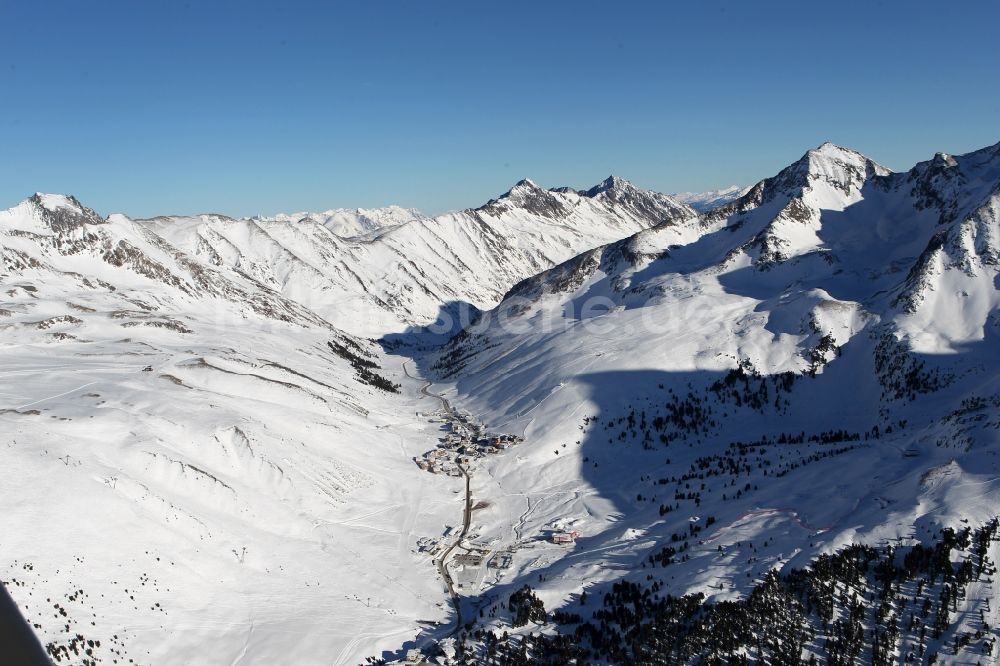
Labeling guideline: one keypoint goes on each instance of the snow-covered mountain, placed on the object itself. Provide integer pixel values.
(814, 365)
(208, 461)
(706, 201)
(213, 461)
(189, 458)
(399, 274)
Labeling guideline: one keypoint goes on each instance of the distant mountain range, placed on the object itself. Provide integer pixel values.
(705, 201)
(396, 268)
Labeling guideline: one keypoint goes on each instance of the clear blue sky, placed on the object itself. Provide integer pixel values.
(150, 107)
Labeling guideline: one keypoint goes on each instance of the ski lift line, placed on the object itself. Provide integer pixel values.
(348, 521)
(122, 367)
(67, 368)
(53, 397)
(976, 483)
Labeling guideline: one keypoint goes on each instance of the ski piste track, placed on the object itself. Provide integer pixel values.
(441, 561)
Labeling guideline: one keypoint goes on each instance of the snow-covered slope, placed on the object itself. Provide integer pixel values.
(814, 365)
(196, 469)
(353, 222)
(402, 274)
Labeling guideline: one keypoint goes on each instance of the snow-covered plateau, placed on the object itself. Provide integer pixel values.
(762, 433)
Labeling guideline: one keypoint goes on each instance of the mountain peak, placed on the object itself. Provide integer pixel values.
(944, 160)
(63, 212)
(524, 188)
(54, 202)
(526, 195)
(525, 184)
(830, 146)
(615, 182)
(843, 168)
(611, 183)
(830, 150)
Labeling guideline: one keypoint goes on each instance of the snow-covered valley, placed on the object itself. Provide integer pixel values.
(232, 441)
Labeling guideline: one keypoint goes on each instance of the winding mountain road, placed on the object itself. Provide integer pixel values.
(441, 561)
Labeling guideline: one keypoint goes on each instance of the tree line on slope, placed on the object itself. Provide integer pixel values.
(862, 604)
